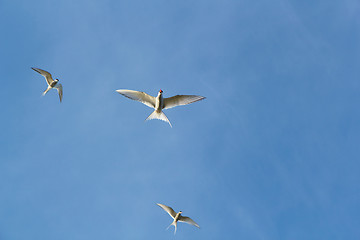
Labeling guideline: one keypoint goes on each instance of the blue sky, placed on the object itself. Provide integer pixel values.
(272, 153)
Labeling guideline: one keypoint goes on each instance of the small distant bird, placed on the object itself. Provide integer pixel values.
(177, 217)
(159, 103)
(50, 81)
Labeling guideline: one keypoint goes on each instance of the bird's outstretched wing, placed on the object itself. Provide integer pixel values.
(60, 90)
(169, 210)
(46, 74)
(138, 96)
(188, 220)
(181, 100)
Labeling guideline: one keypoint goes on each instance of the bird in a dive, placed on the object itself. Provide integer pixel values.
(51, 82)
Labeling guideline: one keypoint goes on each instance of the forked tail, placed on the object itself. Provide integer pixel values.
(175, 225)
(46, 90)
(158, 115)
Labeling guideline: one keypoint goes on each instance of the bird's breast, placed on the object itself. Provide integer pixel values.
(159, 103)
(177, 216)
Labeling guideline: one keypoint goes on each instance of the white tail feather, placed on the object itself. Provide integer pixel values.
(175, 225)
(158, 115)
(46, 90)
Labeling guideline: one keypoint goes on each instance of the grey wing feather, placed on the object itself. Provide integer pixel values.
(169, 210)
(46, 74)
(188, 220)
(181, 100)
(60, 90)
(138, 96)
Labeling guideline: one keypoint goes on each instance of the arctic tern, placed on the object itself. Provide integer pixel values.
(51, 82)
(177, 217)
(159, 103)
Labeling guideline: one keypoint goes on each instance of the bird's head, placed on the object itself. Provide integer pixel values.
(161, 91)
(180, 212)
(56, 80)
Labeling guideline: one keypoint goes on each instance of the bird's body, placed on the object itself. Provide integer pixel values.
(159, 103)
(51, 82)
(177, 217)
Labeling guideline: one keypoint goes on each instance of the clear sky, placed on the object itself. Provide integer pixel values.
(271, 153)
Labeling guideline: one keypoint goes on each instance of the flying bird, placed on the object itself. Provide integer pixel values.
(51, 82)
(177, 217)
(159, 103)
